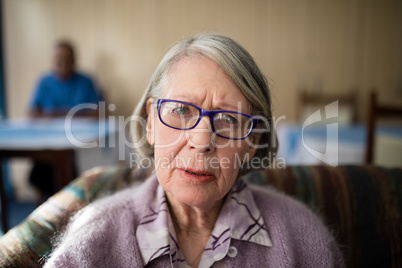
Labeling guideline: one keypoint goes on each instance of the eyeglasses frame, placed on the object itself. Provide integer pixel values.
(210, 114)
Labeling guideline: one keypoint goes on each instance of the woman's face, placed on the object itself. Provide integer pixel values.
(194, 166)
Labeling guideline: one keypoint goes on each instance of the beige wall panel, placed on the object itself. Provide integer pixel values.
(302, 46)
(26, 53)
(383, 42)
(328, 46)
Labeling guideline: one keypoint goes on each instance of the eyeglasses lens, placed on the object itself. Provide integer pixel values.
(178, 115)
(230, 125)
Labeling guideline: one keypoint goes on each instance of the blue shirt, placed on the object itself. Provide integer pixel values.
(52, 94)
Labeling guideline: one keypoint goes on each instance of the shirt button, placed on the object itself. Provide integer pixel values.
(232, 252)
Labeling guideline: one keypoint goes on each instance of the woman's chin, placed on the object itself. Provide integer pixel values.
(193, 197)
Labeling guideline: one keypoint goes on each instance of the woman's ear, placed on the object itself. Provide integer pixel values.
(150, 122)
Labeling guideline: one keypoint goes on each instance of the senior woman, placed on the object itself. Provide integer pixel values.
(207, 110)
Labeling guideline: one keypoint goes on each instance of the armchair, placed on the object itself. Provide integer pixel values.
(361, 205)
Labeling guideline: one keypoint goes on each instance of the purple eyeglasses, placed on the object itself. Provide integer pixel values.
(226, 124)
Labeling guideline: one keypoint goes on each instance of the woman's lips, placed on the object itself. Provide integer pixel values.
(196, 176)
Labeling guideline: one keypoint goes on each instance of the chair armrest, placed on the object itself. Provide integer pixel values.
(25, 244)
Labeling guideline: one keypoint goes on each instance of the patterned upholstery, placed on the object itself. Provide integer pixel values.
(25, 244)
(362, 205)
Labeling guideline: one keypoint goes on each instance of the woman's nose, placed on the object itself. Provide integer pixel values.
(201, 137)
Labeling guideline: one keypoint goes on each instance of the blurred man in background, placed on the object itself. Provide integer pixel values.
(55, 94)
(63, 88)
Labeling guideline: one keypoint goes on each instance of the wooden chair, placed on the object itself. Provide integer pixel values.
(376, 111)
(318, 100)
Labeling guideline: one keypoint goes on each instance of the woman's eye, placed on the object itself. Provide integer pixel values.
(230, 120)
(183, 110)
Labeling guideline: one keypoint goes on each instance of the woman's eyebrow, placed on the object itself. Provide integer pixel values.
(221, 105)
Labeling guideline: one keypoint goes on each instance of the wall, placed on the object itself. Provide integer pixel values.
(330, 46)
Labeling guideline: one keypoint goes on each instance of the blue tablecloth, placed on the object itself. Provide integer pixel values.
(35, 134)
(350, 143)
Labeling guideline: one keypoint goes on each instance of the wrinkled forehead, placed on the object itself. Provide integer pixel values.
(201, 81)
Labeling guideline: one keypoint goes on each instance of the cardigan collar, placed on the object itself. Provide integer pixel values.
(238, 219)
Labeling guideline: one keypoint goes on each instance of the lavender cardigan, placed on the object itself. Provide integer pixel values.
(103, 234)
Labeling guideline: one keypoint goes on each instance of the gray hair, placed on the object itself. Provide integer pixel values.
(238, 65)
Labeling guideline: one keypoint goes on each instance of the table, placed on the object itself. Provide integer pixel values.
(346, 144)
(53, 141)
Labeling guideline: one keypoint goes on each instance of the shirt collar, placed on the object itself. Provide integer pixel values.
(153, 231)
(238, 219)
(247, 223)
